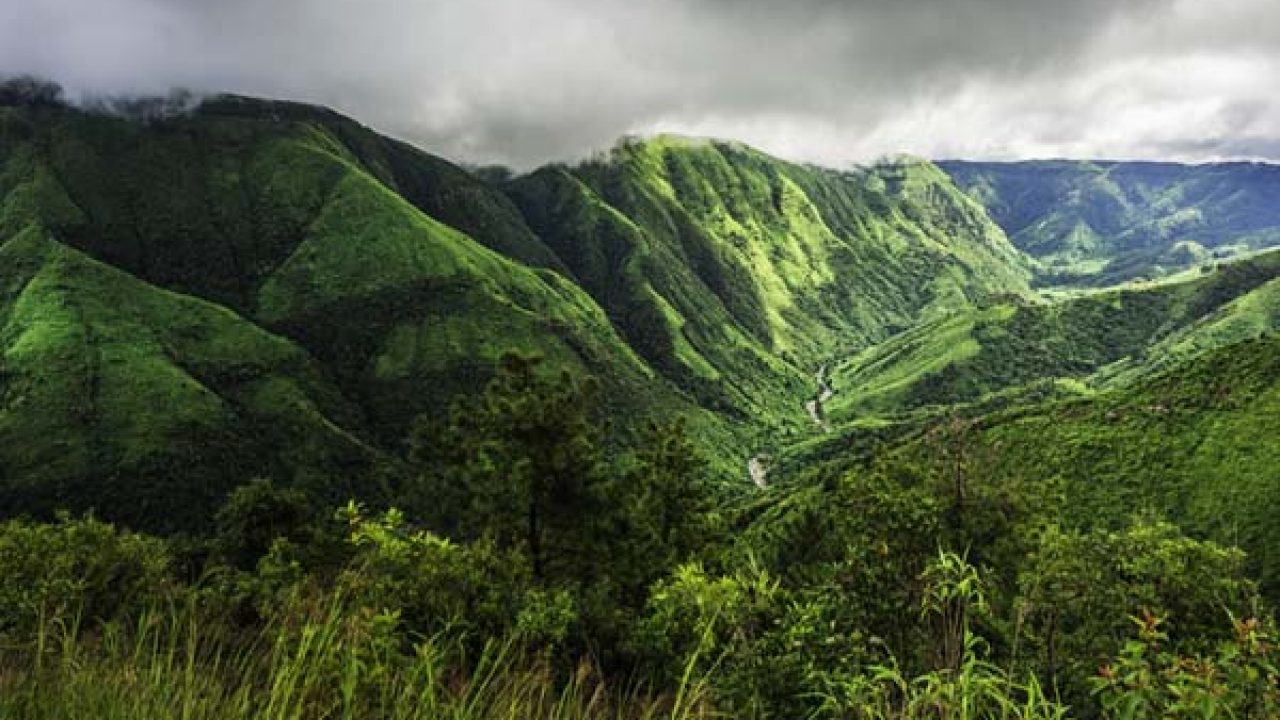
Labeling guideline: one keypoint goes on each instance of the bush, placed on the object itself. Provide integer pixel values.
(474, 589)
(83, 570)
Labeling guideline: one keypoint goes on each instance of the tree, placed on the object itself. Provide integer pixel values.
(1078, 591)
(258, 513)
(27, 91)
(673, 495)
(523, 464)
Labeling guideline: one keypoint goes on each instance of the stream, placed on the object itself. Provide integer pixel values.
(758, 465)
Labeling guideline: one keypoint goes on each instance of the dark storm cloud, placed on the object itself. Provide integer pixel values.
(524, 81)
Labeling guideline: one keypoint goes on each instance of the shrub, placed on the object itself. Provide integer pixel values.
(80, 570)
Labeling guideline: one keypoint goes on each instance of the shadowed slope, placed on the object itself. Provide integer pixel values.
(149, 405)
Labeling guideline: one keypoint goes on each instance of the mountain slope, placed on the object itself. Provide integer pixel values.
(270, 222)
(1100, 223)
(1195, 444)
(290, 215)
(737, 274)
(149, 405)
(1125, 333)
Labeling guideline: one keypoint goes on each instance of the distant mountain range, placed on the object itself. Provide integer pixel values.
(1098, 223)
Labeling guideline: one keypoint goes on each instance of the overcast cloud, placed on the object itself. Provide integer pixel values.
(526, 81)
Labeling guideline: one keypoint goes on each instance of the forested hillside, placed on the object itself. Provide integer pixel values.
(1097, 339)
(737, 274)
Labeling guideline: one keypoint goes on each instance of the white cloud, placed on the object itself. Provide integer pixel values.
(834, 81)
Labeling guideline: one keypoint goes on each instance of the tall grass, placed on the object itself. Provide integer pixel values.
(975, 690)
(317, 661)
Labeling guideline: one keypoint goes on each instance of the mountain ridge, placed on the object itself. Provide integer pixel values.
(702, 281)
(695, 277)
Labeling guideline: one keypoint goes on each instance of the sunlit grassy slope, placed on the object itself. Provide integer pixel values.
(1120, 334)
(738, 274)
(1099, 223)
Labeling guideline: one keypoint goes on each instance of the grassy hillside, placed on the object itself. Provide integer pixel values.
(737, 274)
(150, 405)
(1123, 334)
(299, 226)
(1100, 223)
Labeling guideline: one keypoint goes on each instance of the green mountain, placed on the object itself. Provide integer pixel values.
(1121, 334)
(293, 229)
(737, 275)
(374, 283)
(259, 288)
(1100, 223)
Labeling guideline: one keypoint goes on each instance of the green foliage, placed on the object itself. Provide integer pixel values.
(670, 500)
(474, 590)
(1078, 591)
(767, 652)
(964, 684)
(414, 625)
(257, 515)
(74, 571)
(523, 465)
(1148, 680)
(322, 658)
(976, 689)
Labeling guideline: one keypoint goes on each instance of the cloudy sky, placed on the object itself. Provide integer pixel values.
(832, 81)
